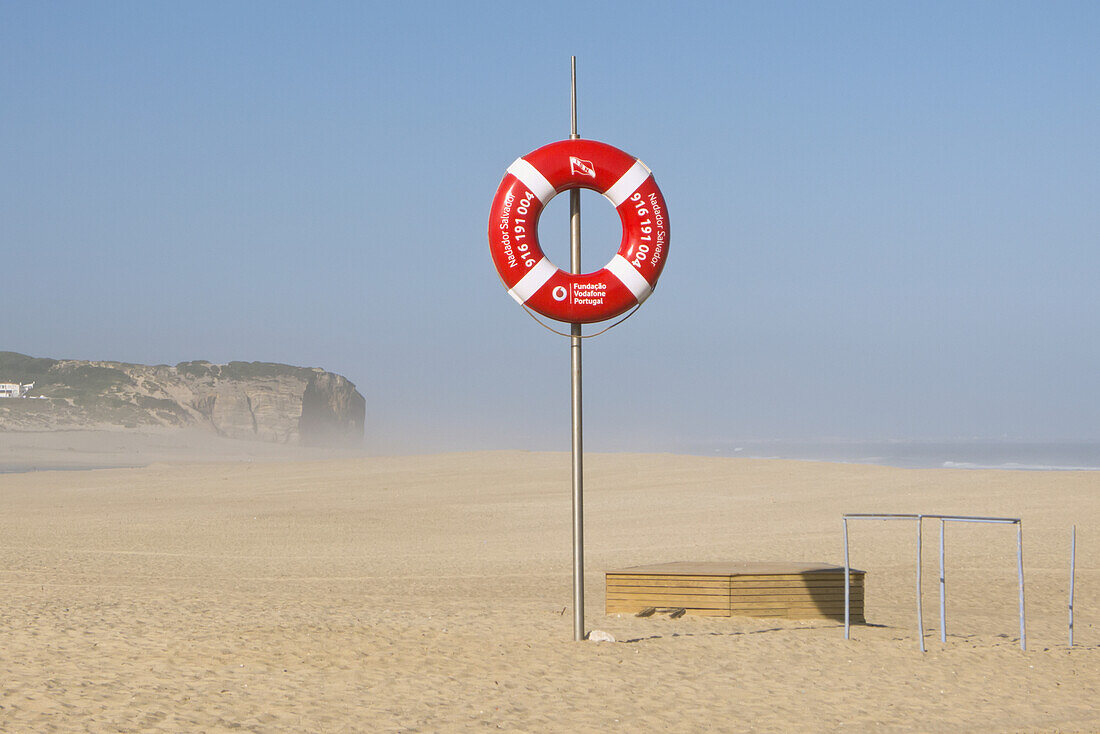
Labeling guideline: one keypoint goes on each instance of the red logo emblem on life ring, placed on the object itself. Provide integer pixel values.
(580, 167)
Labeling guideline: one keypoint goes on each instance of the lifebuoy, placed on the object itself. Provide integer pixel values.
(537, 283)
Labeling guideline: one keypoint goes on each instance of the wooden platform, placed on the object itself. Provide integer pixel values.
(791, 590)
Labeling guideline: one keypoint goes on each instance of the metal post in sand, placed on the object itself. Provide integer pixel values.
(575, 354)
(1020, 566)
(920, 560)
(943, 591)
(1072, 564)
(847, 600)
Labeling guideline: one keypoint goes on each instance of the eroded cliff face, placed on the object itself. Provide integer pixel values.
(332, 410)
(250, 400)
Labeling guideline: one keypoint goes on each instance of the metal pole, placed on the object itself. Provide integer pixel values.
(920, 610)
(575, 353)
(847, 601)
(1020, 565)
(943, 592)
(1072, 564)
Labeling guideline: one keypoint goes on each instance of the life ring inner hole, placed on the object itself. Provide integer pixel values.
(601, 230)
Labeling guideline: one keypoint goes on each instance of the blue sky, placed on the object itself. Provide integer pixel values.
(884, 216)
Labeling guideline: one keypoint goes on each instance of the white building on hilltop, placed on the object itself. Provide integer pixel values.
(14, 389)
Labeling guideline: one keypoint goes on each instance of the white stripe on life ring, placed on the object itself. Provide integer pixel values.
(627, 184)
(533, 179)
(621, 268)
(536, 278)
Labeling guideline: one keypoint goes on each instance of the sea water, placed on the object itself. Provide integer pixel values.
(22, 468)
(906, 454)
(910, 454)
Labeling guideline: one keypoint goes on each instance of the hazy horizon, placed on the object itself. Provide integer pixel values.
(883, 218)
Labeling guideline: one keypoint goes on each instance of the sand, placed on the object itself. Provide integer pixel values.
(433, 594)
(101, 449)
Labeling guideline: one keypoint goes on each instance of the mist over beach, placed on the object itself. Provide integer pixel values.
(279, 451)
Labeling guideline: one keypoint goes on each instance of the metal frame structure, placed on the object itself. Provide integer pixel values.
(944, 519)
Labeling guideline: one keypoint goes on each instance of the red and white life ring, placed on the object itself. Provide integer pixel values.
(540, 285)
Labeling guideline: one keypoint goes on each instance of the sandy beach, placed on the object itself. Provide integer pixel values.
(24, 451)
(432, 593)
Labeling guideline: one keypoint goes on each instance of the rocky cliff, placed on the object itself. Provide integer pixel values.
(251, 400)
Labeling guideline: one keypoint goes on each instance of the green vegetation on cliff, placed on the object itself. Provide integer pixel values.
(15, 367)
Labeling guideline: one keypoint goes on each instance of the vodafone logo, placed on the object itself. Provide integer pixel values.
(559, 293)
(581, 167)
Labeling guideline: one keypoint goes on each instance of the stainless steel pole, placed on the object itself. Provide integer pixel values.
(1020, 565)
(1072, 564)
(920, 562)
(943, 592)
(847, 600)
(575, 353)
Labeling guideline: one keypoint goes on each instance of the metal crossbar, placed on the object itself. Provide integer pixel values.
(943, 588)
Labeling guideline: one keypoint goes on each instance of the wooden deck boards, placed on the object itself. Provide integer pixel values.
(791, 590)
